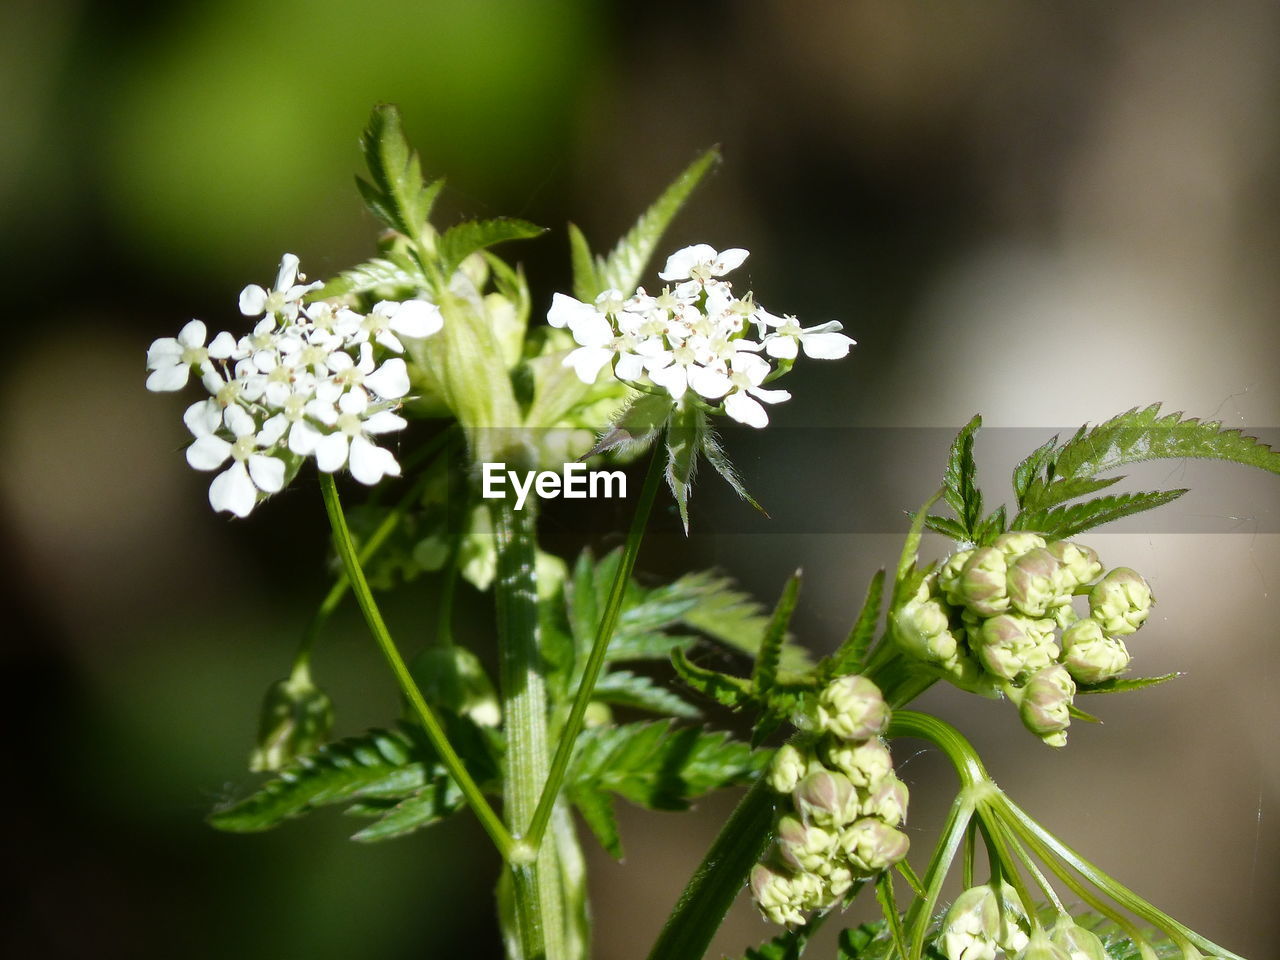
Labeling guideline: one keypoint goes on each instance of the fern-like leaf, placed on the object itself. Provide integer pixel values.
(852, 654)
(395, 192)
(1059, 523)
(765, 672)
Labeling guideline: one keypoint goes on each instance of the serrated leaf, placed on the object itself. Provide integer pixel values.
(910, 551)
(725, 689)
(1062, 522)
(624, 267)
(397, 194)
(597, 812)
(851, 656)
(1031, 467)
(734, 618)
(946, 526)
(636, 426)
(959, 478)
(765, 672)
(990, 528)
(431, 804)
(381, 763)
(1124, 684)
(586, 278)
(659, 766)
(685, 432)
(623, 688)
(786, 946)
(459, 242)
(1041, 495)
(370, 276)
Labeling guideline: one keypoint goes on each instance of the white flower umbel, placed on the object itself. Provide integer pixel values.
(698, 337)
(309, 381)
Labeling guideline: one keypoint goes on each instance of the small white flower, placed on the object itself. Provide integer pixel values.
(170, 359)
(747, 372)
(701, 262)
(823, 342)
(235, 490)
(283, 299)
(350, 442)
(416, 319)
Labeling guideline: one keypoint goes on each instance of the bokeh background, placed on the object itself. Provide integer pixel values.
(1046, 212)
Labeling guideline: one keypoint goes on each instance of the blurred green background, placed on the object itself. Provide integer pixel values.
(1046, 212)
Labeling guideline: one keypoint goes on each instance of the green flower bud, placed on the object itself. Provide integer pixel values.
(887, 800)
(783, 898)
(597, 714)
(871, 845)
(827, 799)
(455, 679)
(1077, 942)
(296, 719)
(1034, 583)
(836, 884)
(787, 768)
(1012, 645)
(967, 674)
(983, 584)
(1040, 947)
(1079, 561)
(1044, 704)
(1090, 655)
(805, 847)
(922, 627)
(863, 763)
(1120, 601)
(1064, 615)
(1018, 542)
(852, 707)
(975, 927)
(948, 576)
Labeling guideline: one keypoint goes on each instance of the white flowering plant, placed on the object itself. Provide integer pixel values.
(422, 365)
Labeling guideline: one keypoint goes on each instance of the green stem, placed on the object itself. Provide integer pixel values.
(716, 883)
(599, 648)
(373, 617)
(921, 911)
(909, 723)
(537, 895)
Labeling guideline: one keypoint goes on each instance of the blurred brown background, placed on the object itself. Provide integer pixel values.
(1046, 212)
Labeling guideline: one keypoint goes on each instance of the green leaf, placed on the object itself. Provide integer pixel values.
(734, 618)
(725, 689)
(1031, 467)
(636, 426)
(1078, 714)
(437, 800)
(765, 672)
(959, 479)
(624, 267)
(946, 526)
(1062, 522)
(659, 766)
(626, 689)
(685, 433)
(1041, 496)
(786, 946)
(397, 194)
(910, 551)
(992, 527)
(371, 276)
(379, 764)
(851, 655)
(867, 941)
(596, 808)
(720, 462)
(1124, 684)
(460, 241)
(586, 278)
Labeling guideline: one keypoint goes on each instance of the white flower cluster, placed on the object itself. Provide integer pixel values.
(304, 383)
(696, 336)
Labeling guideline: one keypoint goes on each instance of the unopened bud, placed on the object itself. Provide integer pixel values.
(922, 627)
(1079, 561)
(783, 898)
(863, 763)
(827, 799)
(1077, 942)
(1045, 703)
(983, 584)
(872, 845)
(1064, 615)
(1011, 645)
(887, 800)
(971, 926)
(805, 847)
(1120, 601)
(1017, 542)
(948, 577)
(787, 768)
(1034, 583)
(1090, 655)
(296, 719)
(852, 707)
(836, 883)
(1040, 947)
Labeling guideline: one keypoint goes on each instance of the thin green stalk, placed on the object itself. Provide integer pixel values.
(435, 732)
(1008, 868)
(909, 723)
(599, 648)
(966, 870)
(921, 911)
(997, 825)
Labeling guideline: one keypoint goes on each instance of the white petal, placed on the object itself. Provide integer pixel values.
(193, 334)
(417, 318)
(587, 361)
(240, 421)
(212, 380)
(389, 340)
(233, 491)
(267, 473)
(630, 366)
(277, 393)
(253, 300)
(272, 431)
(331, 451)
(384, 421)
(203, 417)
(745, 410)
(680, 263)
(355, 402)
(673, 379)
(288, 272)
(163, 353)
(322, 411)
(769, 396)
(370, 463)
(709, 382)
(755, 368)
(782, 347)
(591, 331)
(208, 452)
(303, 438)
(166, 379)
(826, 346)
(223, 346)
(728, 260)
(390, 381)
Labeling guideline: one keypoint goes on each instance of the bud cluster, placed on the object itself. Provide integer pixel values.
(985, 922)
(1000, 619)
(843, 806)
